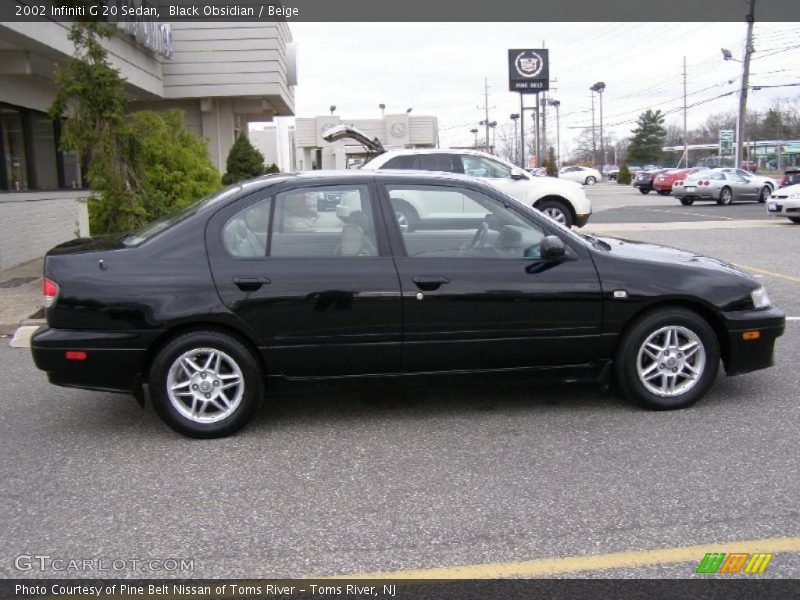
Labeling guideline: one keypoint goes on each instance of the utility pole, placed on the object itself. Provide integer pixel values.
(685, 139)
(544, 124)
(522, 155)
(748, 50)
(537, 131)
(486, 108)
(594, 140)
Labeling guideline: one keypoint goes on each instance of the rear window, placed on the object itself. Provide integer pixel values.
(792, 177)
(399, 162)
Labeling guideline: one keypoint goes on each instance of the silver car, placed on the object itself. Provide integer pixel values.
(722, 187)
(767, 184)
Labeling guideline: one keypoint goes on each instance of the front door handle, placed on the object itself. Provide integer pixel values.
(250, 284)
(430, 282)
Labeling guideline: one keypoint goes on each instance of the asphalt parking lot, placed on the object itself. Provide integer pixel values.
(391, 478)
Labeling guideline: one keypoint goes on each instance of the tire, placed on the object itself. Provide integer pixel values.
(795, 220)
(407, 217)
(556, 210)
(590, 180)
(725, 196)
(766, 192)
(663, 192)
(687, 201)
(643, 348)
(218, 398)
(644, 190)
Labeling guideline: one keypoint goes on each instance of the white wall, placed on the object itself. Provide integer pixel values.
(33, 222)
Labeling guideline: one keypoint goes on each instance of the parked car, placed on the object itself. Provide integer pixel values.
(749, 165)
(768, 183)
(722, 187)
(611, 172)
(643, 180)
(579, 174)
(663, 181)
(785, 202)
(562, 201)
(202, 307)
(634, 169)
(790, 177)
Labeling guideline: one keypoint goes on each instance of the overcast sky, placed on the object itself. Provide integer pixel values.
(438, 69)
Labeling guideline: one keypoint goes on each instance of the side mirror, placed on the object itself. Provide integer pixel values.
(552, 248)
(517, 173)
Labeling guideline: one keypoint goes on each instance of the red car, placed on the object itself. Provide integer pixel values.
(662, 183)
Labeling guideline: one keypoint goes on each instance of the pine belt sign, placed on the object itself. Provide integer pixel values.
(528, 71)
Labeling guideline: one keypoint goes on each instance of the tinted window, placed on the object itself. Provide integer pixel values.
(459, 222)
(480, 166)
(300, 229)
(399, 162)
(245, 233)
(434, 162)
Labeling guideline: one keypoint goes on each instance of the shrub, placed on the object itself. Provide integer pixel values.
(244, 161)
(624, 175)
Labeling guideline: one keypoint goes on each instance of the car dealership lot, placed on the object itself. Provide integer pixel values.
(378, 478)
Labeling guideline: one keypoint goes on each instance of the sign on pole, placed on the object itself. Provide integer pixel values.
(726, 142)
(528, 71)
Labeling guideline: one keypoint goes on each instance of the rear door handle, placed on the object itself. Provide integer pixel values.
(430, 282)
(250, 284)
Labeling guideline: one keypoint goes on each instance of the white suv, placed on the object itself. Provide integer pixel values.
(563, 201)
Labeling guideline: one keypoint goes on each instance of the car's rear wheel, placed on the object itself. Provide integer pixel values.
(205, 384)
(668, 359)
(591, 180)
(795, 220)
(687, 201)
(663, 192)
(557, 211)
(766, 191)
(644, 190)
(725, 196)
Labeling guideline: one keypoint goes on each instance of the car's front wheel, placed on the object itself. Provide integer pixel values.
(591, 180)
(795, 220)
(205, 384)
(766, 192)
(663, 192)
(668, 359)
(557, 211)
(644, 190)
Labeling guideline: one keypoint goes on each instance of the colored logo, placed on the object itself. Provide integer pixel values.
(529, 63)
(734, 562)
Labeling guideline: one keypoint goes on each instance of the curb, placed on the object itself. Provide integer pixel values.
(22, 337)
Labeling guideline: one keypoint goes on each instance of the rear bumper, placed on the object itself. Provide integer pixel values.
(742, 355)
(114, 360)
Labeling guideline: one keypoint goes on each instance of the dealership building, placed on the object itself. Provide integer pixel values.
(395, 131)
(222, 75)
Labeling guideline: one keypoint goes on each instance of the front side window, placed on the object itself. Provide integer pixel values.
(460, 222)
(301, 230)
(480, 166)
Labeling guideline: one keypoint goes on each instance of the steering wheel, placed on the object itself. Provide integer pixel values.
(480, 237)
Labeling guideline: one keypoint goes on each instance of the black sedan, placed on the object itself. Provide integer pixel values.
(256, 284)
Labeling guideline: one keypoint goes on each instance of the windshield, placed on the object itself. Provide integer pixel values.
(159, 225)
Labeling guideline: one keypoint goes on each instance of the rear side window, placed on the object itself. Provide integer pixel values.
(435, 162)
(399, 162)
(245, 233)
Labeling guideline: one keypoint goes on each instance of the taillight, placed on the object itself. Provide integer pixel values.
(49, 292)
(679, 182)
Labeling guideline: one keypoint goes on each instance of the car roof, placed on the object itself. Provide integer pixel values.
(404, 151)
(358, 174)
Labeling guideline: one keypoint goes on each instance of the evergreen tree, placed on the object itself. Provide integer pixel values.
(648, 138)
(550, 163)
(624, 175)
(273, 168)
(244, 161)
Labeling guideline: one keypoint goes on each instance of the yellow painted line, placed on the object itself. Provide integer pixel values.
(543, 567)
(691, 214)
(765, 272)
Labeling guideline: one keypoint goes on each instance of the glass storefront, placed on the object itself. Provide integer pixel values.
(29, 155)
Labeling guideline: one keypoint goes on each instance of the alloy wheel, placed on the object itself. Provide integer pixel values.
(205, 385)
(671, 361)
(556, 214)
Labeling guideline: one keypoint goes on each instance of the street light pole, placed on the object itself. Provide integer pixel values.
(557, 104)
(474, 131)
(594, 139)
(515, 151)
(600, 87)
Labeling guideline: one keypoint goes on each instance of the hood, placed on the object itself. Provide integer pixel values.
(343, 132)
(555, 181)
(665, 254)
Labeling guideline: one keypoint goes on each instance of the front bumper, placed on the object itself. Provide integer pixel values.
(743, 356)
(581, 220)
(114, 360)
(783, 207)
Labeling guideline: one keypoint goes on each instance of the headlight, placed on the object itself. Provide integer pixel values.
(760, 298)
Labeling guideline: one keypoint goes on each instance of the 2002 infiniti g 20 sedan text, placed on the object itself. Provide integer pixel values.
(257, 283)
